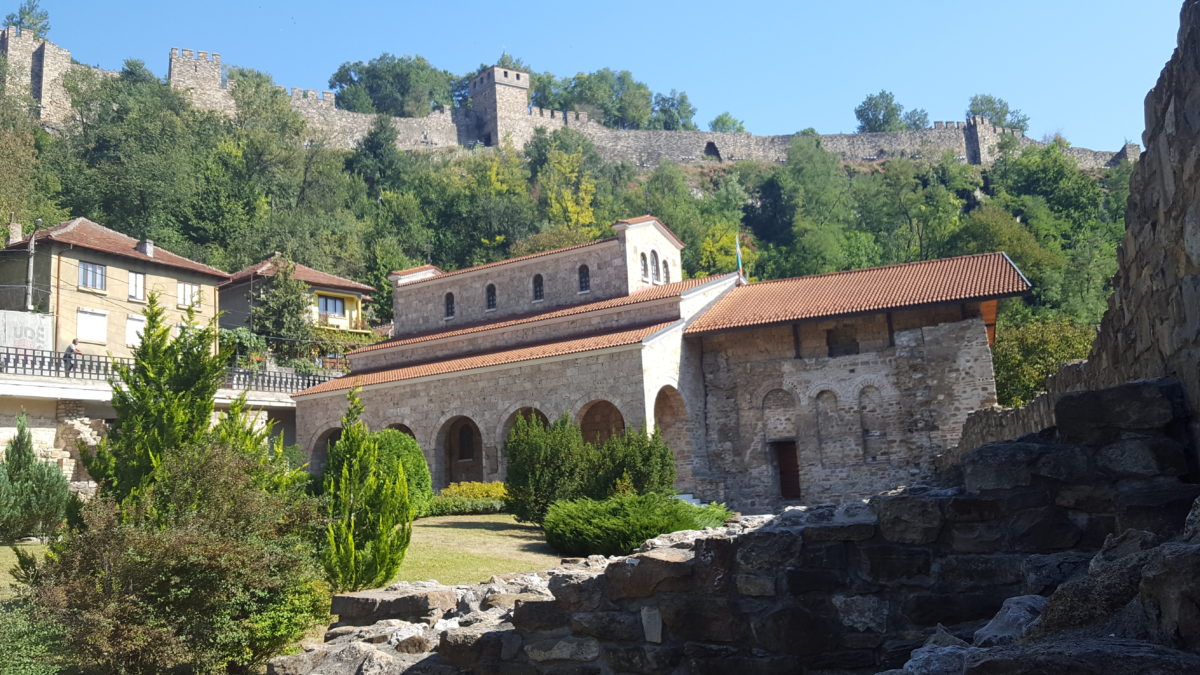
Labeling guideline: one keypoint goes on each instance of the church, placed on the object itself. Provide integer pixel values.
(794, 391)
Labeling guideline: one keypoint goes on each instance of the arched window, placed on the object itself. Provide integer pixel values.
(666, 272)
(490, 296)
(449, 305)
(539, 289)
(654, 264)
(645, 269)
(585, 279)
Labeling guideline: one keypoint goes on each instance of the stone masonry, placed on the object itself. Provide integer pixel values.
(500, 110)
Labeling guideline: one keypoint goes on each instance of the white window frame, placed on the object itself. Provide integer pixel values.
(91, 325)
(185, 289)
(93, 276)
(135, 326)
(137, 286)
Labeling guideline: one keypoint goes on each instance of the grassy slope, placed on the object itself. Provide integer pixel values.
(466, 549)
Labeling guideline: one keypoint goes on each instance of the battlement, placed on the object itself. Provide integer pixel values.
(190, 55)
(566, 116)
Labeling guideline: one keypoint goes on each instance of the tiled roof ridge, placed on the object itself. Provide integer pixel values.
(653, 293)
(418, 268)
(626, 335)
(880, 267)
(506, 261)
(267, 268)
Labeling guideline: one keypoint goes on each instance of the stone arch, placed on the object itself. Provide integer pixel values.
(671, 418)
(460, 447)
(319, 455)
(870, 417)
(710, 150)
(511, 420)
(600, 420)
(402, 428)
(825, 406)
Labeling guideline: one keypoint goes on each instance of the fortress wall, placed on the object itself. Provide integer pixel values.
(647, 148)
(928, 143)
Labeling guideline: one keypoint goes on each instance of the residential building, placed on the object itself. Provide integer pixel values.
(794, 391)
(336, 302)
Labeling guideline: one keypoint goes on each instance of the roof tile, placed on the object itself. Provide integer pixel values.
(308, 275)
(560, 347)
(972, 277)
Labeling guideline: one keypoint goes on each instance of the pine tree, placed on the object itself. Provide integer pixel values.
(370, 522)
(33, 495)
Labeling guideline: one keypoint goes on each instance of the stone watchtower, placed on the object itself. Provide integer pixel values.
(499, 94)
(200, 76)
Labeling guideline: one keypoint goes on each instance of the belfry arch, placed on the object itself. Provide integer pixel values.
(600, 420)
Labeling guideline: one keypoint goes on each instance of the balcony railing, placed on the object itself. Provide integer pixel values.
(42, 363)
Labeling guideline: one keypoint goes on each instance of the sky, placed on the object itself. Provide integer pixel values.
(1079, 69)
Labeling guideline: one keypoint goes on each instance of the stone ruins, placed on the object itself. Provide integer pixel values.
(500, 110)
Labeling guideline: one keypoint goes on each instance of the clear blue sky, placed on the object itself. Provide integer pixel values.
(1077, 68)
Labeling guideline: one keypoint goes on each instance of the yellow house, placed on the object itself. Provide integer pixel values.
(336, 302)
(95, 282)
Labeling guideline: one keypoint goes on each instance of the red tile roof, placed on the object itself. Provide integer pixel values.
(649, 218)
(84, 233)
(304, 273)
(531, 256)
(972, 277)
(419, 268)
(642, 295)
(559, 347)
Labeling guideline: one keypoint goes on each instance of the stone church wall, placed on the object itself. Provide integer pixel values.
(861, 423)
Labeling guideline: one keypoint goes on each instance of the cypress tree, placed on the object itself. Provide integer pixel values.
(33, 495)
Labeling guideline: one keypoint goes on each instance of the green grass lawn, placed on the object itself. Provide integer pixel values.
(8, 560)
(467, 549)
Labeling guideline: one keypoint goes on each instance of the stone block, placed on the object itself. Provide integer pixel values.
(469, 646)
(533, 617)
(1000, 466)
(793, 631)
(612, 626)
(1042, 530)
(563, 649)
(579, 591)
(1087, 498)
(1143, 457)
(707, 619)
(1081, 655)
(862, 612)
(808, 579)
(1097, 417)
(930, 609)
(1162, 510)
(908, 519)
(969, 572)
(509, 600)
(896, 564)
(1169, 596)
(409, 604)
(755, 585)
(767, 550)
(711, 564)
(641, 575)
(1010, 622)
(977, 537)
(644, 660)
(651, 620)
(1045, 572)
(975, 508)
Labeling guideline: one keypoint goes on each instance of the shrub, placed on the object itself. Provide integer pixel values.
(449, 505)
(476, 490)
(33, 494)
(617, 525)
(370, 521)
(29, 646)
(637, 460)
(398, 447)
(545, 464)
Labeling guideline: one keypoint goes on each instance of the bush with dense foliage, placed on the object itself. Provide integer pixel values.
(398, 448)
(29, 646)
(450, 505)
(196, 555)
(552, 463)
(617, 525)
(1025, 355)
(475, 490)
(366, 506)
(33, 495)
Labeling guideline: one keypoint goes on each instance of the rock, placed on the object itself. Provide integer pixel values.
(652, 624)
(468, 646)
(1081, 657)
(1042, 530)
(643, 659)
(510, 600)
(563, 649)
(534, 617)
(1096, 417)
(908, 519)
(1012, 619)
(413, 640)
(1044, 573)
(977, 537)
(407, 604)
(297, 664)
(1000, 466)
(936, 661)
(579, 590)
(1117, 546)
(862, 612)
(642, 574)
(887, 563)
(1169, 595)
(1162, 510)
(614, 626)
(1191, 525)
(970, 572)
(755, 585)
(705, 618)
(792, 631)
(928, 609)
(1149, 456)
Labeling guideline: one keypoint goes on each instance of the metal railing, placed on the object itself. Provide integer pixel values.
(42, 363)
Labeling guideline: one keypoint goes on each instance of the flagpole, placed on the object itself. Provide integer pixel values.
(737, 243)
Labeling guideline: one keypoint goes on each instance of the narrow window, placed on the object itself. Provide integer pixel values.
(654, 264)
(645, 269)
(666, 272)
(92, 275)
(449, 306)
(490, 297)
(187, 294)
(137, 286)
(331, 306)
(539, 289)
(585, 279)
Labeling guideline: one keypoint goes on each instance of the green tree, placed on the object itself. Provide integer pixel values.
(30, 17)
(879, 112)
(406, 86)
(163, 400)
(282, 313)
(673, 112)
(545, 464)
(996, 111)
(915, 119)
(33, 494)
(370, 520)
(375, 158)
(398, 449)
(726, 123)
(1025, 355)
